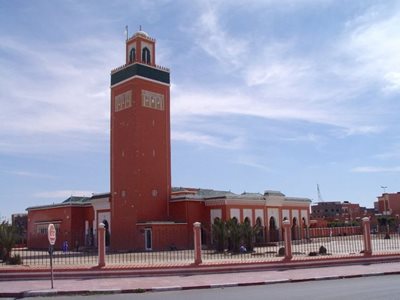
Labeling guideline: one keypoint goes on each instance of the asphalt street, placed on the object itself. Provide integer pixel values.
(366, 288)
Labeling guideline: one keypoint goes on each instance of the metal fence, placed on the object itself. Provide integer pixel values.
(42, 257)
(323, 242)
(260, 253)
(150, 258)
(385, 243)
(312, 243)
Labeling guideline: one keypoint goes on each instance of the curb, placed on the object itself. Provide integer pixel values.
(118, 271)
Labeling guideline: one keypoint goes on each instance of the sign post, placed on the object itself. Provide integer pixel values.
(51, 236)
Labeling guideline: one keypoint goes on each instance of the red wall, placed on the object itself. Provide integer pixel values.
(71, 220)
(167, 236)
(140, 163)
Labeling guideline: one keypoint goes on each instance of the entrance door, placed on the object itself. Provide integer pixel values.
(148, 239)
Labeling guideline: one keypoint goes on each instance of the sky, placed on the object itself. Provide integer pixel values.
(265, 95)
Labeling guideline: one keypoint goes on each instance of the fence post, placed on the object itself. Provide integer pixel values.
(367, 236)
(101, 242)
(197, 243)
(287, 237)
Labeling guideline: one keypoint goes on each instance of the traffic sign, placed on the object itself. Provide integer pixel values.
(51, 234)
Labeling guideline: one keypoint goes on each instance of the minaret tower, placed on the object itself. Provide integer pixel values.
(140, 144)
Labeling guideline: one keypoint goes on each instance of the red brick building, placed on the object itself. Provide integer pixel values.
(389, 204)
(345, 213)
(142, 210)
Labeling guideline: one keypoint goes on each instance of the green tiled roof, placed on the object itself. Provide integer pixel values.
(77, 199)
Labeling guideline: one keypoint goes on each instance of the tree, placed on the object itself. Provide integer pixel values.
(8, 237)
(248, 235)
(219, 234)
(234, 234)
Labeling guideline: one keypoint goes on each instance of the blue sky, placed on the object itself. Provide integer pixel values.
(274, 94)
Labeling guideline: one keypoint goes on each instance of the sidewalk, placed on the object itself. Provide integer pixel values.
(136, 284)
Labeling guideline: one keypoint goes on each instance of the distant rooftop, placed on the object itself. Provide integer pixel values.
(76, 199)
(181, 193)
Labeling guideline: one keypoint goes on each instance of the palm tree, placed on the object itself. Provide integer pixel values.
(219, 234)
(249, 234)
(234, 234)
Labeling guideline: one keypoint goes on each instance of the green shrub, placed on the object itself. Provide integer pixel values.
(8, 237)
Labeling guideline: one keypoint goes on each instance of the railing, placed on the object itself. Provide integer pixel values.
(29, 257)
(150, 258)
(385, 242)
(309, 243)
(323, 242)
(261, 253)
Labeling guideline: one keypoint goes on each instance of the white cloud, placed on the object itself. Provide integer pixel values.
(30, 174)
(369, 169)
(310, 137)
(281, 83)
(63, 194)
(63, 91)
(373, 43)
(253, 162)
(217, 42)
(209, 140)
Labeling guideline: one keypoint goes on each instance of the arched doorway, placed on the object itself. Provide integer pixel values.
(304, 229)
(259, 231)
(106, 227)
(273, 230)
(295, 233)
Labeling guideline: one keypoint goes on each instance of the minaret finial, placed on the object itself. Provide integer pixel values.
(126, 31)
(140, 27)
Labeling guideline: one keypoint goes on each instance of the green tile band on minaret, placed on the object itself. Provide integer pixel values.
(140, 70)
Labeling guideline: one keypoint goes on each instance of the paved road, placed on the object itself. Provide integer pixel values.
(373, 287)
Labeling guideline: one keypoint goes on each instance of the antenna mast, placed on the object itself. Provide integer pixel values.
(319, 194)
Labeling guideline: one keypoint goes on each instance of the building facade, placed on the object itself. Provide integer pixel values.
(388, 204)
(142, 210)
(336, 212)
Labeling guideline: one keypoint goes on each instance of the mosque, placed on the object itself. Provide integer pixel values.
(143, 211)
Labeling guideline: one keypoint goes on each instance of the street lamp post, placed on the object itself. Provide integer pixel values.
(385, 198)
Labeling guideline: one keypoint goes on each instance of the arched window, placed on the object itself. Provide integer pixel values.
(106, 227)
(259, 231)
(273, 230)
(146, 55)
(247, 220)
(272, 223)
(132, 55)
(295, 231)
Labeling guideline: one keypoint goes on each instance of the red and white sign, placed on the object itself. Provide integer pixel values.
(51, 234)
